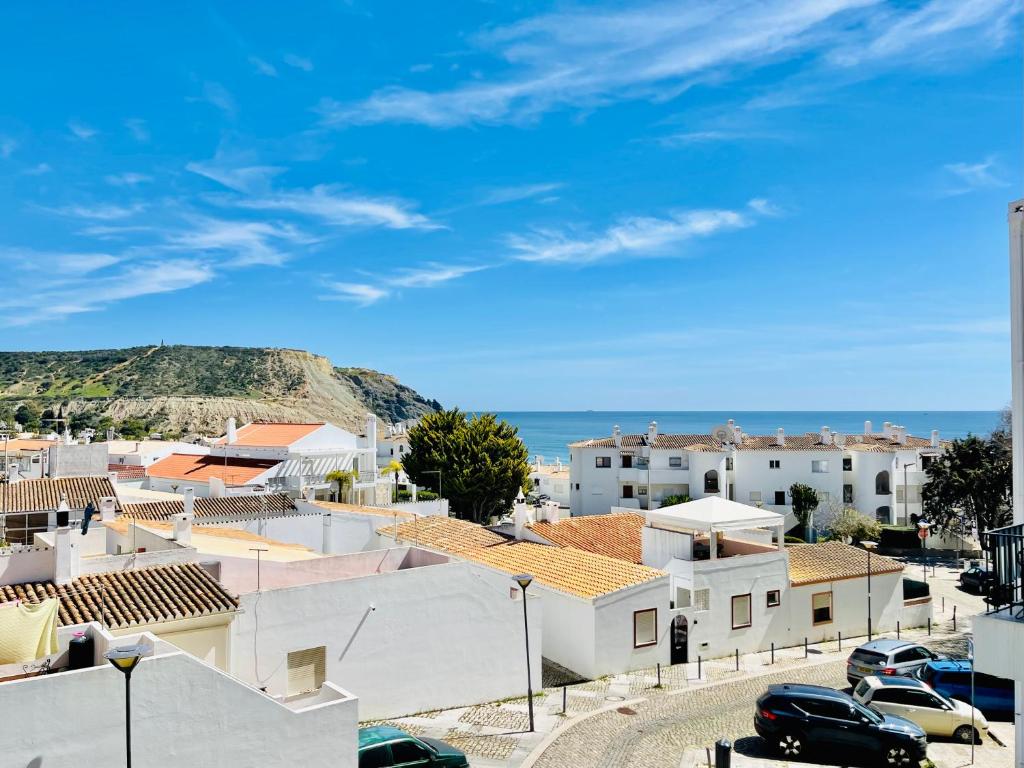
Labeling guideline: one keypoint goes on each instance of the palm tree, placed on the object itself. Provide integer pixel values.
(344, 478)
(393, 468)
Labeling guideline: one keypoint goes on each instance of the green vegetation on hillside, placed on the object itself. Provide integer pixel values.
(385, 396)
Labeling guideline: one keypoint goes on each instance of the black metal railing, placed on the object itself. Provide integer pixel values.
(1005, 547)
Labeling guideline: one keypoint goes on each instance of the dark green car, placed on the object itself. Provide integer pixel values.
(384, 747)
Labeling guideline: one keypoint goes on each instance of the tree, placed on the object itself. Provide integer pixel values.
(28, 416)
(482, 461)
(973, 480)
(344, 478)
(805, 499)
(674, 498)
(393, 468)
(842, 523)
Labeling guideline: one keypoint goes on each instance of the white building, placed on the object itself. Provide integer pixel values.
(551, 480)
(999, 636)
(142, 453)
(878, 473)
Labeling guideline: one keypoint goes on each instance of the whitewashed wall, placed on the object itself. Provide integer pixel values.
(613, 637)
(436, 636)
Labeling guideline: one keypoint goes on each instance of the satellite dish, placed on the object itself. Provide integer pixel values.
(722, 434)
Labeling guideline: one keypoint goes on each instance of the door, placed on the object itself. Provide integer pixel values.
(680, 636)
(627, 491)
(831, 722)
(627, 462)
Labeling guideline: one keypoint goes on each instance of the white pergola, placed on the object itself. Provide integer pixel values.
(713, 514)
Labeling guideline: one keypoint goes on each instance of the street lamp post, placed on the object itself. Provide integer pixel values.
(923, 526)
(869, 546)
(523, 580)
(906, 514)
(437, 472)
(125, 660)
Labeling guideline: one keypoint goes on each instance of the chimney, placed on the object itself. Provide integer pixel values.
(66, 556)
(188, 504)
(371, 434)
(558, 463)
(552, 512)
(617, 436)
(826, 436)
(737, 435)
(839, 439)
(230, 432)
(182, 528)
(887, 429)
(113, 478)
(652, 432)
(901, 435)
(107, 506)
(780, 437)
(867, 427)
(935, 438)
(519, 515)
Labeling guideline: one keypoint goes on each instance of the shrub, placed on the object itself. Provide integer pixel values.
(425, 496)
(794, 540)
(675, 498)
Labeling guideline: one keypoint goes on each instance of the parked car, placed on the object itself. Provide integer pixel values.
(977, 579)
(952, 678)
(382, 746)
(914, 700)
(795, 719)
(887, 657)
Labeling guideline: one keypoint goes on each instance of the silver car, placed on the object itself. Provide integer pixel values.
(887, 657)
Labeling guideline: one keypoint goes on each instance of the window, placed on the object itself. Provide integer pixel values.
(882, 515)
(847, 493)
(916, 653)
(847, 464)
(728, 463)
(926, 461)
(830, 708)
(627, 461)
(645, 628)
(577, 486)
(536, 482)
(823, 497)
(819, 465)
(711, 481)
(627, 491)
(603, 462)
(755, 497)
(882, 483)
(774, 598)
(683, 596)
(821, 607)
(702, 599)
(641, 490)
(780, 499)
(740, 611)
(774, 463)
(306, 670)
(408, 752)
(675, 462)
(377, 757)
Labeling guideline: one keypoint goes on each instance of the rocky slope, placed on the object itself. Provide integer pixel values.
(194, 389)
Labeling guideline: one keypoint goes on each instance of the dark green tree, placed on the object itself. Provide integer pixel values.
(482, 461)
(28, 416)
(971, 482)
(805, 501)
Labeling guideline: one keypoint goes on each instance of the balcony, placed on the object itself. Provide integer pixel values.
(1006, 553)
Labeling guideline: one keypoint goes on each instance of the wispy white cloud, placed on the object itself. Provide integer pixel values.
(7, 146)
(362, 294)
(299, 62)
(416, 68)
(431, 274)
(137, 128)
(263, 67)
(127, 179)
(656, 50)
(218, 96)
(518, 192)
(241, 178)
(247, 243)
(972, 176)
(38, 169)
(339, 207)
(100, 212)
(81, 130)
(631, 237)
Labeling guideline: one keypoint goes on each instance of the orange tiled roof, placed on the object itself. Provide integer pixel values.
(832, 561)
(356, 509)
(880, 443)
(45, 493)
(127, 471)
(132, 598)
(614, 535)
(186, 466)
(270, 505)
(661, 441)
(28, 444)
(273, 433)
(810, 441)
(448, 534)
(566, 569)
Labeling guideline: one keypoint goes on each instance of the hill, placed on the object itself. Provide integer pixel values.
(186, 389)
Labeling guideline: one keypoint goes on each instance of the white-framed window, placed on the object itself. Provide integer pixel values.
(740, 611)
(755, 496)
(603, 462)
(819, 465)
(823, 498)
(641, 490)
(307, 670)
(774, 598)
(702, 599)
(675, 462)
(774, 463)
(683, 597)
(645, 628)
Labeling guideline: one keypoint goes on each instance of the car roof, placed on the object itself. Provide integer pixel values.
(802, 689)
(885, 645)
(951, 665)
(898, 681)
(379, 734)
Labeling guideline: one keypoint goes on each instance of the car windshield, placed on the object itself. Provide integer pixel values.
(872, 714)
(867, 657)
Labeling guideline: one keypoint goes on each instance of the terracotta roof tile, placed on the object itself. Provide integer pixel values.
(275, 505)
(186, 466)
(811, 441)
(127, 471)
(831, 561)
(45, 493)
(132, 598)
(880, 443)
(613, 535)
(266, 433)
(356, 509)
(448, 534)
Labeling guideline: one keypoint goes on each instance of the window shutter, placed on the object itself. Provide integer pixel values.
(306, 670)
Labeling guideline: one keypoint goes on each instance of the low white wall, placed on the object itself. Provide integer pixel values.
(183, 713)
(613, 639)
(569, 630)
(436, 636)
(34, 563)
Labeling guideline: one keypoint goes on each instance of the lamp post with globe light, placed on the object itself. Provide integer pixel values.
(524, 580)
(125, 660)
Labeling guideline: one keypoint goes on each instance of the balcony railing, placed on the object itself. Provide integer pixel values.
(1006, 552)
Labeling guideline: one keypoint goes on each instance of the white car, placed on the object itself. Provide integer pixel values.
(909, 698)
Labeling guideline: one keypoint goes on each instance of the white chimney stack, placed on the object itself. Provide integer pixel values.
(901, 435)
(230, 431)
(780, 437)
(108, 506)
(66, 556)
(935, 438)
(552, 512)
(112, 476)
(737, 435)
(188, 504)
(826, 436)
(652, 432)
(617, 436)
(519, 515)
(887, 429)
(183, 528)
(867, 427)
(371, 434)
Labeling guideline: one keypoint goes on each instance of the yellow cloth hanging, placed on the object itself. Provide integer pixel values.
(28, 631)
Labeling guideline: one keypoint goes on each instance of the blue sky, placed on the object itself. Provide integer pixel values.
(779, 204)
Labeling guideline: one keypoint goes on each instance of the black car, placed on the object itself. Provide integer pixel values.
(977, 579)
(795, 719)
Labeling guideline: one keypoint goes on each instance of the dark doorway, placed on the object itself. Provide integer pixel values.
(627, 462)
(627, 491)
(680, 634)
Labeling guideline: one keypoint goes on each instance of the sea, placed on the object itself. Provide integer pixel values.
(548, 433)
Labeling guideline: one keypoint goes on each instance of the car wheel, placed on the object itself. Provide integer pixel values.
(964, 734)
(790, 745)
(897, 755)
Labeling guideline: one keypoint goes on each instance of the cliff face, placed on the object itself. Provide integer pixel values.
(194, 389)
